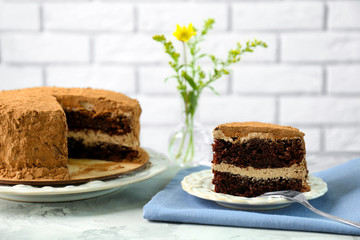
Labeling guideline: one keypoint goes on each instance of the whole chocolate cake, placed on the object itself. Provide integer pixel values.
(41, 127)
(251, 158)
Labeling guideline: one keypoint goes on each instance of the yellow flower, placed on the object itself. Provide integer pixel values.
(184, 34)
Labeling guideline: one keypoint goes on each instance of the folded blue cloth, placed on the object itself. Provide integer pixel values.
(173, 204)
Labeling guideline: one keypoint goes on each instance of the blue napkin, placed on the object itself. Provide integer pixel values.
(342, 199)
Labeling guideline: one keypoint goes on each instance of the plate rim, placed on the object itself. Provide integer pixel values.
(158, 163)
(143, 154)
(255, 201)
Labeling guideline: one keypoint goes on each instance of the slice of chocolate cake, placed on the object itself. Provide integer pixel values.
(251, 158)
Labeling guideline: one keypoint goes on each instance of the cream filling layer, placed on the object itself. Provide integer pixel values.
(218, 134)
(297, 171)
(90, 137)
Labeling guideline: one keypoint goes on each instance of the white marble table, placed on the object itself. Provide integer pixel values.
(119, 216)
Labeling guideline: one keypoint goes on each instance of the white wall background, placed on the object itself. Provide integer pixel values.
(309, 77)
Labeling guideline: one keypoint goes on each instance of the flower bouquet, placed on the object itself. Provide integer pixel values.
(192, 80)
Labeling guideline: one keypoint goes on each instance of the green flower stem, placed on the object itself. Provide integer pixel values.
(178, 154)
(185, 59)
(188, 129)
(191, 147)
(189, 123)
(185, 152)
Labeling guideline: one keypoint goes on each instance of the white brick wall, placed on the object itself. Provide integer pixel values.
(128, 48)
(312, 139)
(19, 77)
(344, 78)
(342, 139)
(152, 80)
(308, 77)
(115, 78)
(217, 110)
(19, 16)
(278, 79)
(320, 110)
(160, 110)
(344, 15)
(320, 47)
(44, 48)
(162, 17)
(278, 15)
(91, 17)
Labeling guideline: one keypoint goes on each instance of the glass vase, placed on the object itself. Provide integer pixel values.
(190, 143)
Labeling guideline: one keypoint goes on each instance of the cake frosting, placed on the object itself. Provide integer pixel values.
(239, 131)
(36, 124)
(90, 137)
(298, 171)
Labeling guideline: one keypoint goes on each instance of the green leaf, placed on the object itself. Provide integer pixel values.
(208, 24)
(213, 90)
(202, 55)
(170, 77)
(201, 74)
(225, 71)
(179, 67)
(182, 88)
(193, 99)
(189, 79)
(201, 84)
(159, 38)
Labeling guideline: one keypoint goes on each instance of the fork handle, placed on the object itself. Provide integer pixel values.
(317, 211)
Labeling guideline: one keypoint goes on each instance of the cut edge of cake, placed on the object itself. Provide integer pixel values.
(237, 165)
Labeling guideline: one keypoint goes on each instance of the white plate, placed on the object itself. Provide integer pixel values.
(199, 184)
(25, 193)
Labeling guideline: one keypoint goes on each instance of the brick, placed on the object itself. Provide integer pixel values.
(220, 86)
(319, 110)
(44, 48)
(162, 17)
(156, 138)
(217, 110)
(312, 139)
(219, 45)
(320, 47)
(344, 15)
(19, 77)
(344, 79)
(24, 16)
(120, 79)
(89, 16)
(342, 139)
(278, 15)
(160, 110)
(277, 79)
(128, 48)
(152, 78)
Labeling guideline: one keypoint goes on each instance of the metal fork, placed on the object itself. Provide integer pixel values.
(298, 197)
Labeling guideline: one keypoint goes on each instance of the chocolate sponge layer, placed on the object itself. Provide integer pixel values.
(104, 151)
(251, 187)
(259, 153)
(83, 119)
